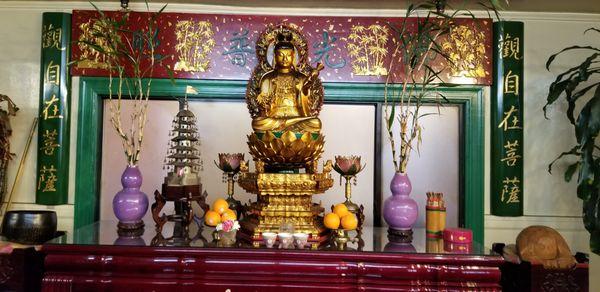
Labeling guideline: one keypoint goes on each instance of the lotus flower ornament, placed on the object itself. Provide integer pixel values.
(286, 150)
(230, 164)
(348, 167)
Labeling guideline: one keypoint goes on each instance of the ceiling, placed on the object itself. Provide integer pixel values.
(578, 6)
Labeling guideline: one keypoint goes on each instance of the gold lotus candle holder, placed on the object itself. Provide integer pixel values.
(348, 167)
(230, 163)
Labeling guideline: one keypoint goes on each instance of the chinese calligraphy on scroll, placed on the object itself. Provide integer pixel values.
(507, 120)
(53, 129)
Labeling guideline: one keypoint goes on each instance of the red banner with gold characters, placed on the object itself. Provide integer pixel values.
(352, 49)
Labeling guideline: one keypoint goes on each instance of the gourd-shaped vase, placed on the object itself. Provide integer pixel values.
(400, 211)
(130, 204)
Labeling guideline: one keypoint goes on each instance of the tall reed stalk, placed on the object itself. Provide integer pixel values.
(130, 57)
(412, 79)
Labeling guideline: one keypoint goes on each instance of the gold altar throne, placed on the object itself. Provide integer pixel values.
(284, 98)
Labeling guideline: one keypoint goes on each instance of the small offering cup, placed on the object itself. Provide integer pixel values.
(285, 240)
(269, 239)
(300, 239)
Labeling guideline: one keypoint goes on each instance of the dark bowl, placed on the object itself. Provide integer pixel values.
(29, 227)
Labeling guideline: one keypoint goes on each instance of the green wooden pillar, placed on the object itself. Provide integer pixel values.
(52, 181)
(507, 120)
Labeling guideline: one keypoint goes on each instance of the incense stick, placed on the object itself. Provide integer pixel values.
(20, 169)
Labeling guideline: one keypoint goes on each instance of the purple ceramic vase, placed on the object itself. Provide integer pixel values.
(130, 204)
(400, 211)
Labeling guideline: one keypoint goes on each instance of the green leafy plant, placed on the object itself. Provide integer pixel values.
(580, 87)
(412, 78)
(130, 59)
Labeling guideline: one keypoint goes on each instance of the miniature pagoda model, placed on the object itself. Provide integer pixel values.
(284, 98)
(182, 184)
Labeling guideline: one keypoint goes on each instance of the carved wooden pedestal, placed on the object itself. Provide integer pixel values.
(533, 277)
(285, 198)
(21, 270)
(182, 197)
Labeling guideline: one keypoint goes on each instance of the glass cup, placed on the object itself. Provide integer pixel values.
(286, 227)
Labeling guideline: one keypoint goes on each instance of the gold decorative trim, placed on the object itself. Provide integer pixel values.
(286, 184)
(368, 48)
(465, 48)
(195, 41)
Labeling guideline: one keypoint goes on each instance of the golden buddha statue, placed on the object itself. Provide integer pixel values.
(284, 97)
(284, 101)
(286, 93)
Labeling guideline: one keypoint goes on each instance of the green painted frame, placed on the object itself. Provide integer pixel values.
(89, 140)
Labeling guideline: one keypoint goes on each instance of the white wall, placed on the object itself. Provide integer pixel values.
(19, 79)
(549, 200)
(436, 169)
(219, 136)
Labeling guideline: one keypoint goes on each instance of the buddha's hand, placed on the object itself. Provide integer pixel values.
(263, 99)
(314, 74)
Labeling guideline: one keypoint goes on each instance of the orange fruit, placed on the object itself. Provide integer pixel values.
(332, 221)
(341, 210)
(349, 222)
(228, 215)
(212, 218)
(220, 205)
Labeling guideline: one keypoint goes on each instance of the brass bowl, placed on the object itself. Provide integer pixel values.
(29, 226)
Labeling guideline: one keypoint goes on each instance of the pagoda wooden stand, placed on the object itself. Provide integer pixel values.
(182, 184)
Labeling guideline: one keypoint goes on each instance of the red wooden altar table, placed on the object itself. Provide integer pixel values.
(94, 258)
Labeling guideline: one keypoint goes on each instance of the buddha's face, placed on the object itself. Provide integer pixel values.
(284, 58)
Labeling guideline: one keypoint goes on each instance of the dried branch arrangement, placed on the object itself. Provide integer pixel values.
(130, 59)
(412, 79)
(5, 132)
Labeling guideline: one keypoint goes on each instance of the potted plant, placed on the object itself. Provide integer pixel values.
(412, 79)
(579, 87)
(130, 69)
